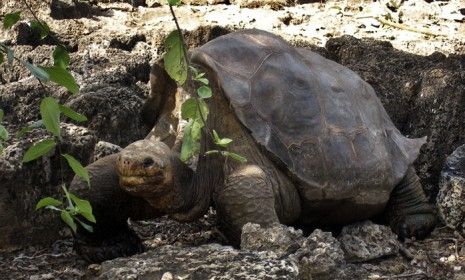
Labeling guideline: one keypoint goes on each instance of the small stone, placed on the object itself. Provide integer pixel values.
(167, 276)
(103, 149)
(367, 241)
(451, 196)
(320, 257)
(277, 238)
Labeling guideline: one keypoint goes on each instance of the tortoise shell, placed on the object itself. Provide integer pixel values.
(320, 119)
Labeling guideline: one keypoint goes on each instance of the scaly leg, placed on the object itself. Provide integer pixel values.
(408, 211)
(246, 197)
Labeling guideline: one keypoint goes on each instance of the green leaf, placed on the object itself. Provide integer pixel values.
(62, 77)
(190, 109)
(1, 115)
(9, 55)
(204, 92)
(77, 168)
(222, 142)
(212, 152)
(83, 207)
(87, 227)
(203, 81)
(66, 217)
(39, 149)
(61, 57)
(48, 201)
(174, 2)
(30, 127)
(38, 72)
(40, 27)
(50, 113)
(235, 156)
(175, 60)
(194, 70)
(68, 198)
(10, 19)
(2, 57)
(190, 140)
(3, 133)
(70, 113)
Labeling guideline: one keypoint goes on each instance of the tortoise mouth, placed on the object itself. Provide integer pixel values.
(142, 183)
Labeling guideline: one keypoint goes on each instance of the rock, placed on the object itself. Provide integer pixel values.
(278, 238)
(103, 149)
(112, 104)
(273, 4)
(210, 261)
(451, 196)
(367, 241)
(24, 184)
(320, 257)
(69, 9)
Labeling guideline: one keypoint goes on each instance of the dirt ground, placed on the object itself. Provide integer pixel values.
(416, 26)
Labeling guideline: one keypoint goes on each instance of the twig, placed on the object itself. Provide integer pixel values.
(406, 253)
(406, 27)
(407, 275)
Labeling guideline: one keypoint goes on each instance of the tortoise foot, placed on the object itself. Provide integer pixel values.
(123, 245)
(416, 225)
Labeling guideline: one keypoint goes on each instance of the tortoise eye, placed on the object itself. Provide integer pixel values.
(148, 162)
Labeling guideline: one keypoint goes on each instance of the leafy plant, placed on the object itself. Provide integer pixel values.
(194, 110)
(76, 209)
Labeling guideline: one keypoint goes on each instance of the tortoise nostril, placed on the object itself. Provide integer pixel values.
(148, 162)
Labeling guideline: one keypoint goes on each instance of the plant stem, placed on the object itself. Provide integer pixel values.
(189, 76)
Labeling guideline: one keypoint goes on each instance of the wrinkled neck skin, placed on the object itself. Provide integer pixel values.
(188, 199)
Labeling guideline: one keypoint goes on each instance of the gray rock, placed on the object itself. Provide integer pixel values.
(210, 261)
(103, 149)
(278, 238)
(68, 9)
(320, 257)
(24, 184)
(273, 4)
(367, 241)
(451, 196)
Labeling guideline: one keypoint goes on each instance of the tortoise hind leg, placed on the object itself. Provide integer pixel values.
(246, 197)
(408, 211)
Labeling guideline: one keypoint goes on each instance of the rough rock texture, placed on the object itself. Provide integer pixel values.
(451, 196)
(320, 257)
(278, 238)
(24, 184)
(211, 261)
(273, 4)
(112, 92)
(367, 241)
(68, 9)
(103, 149)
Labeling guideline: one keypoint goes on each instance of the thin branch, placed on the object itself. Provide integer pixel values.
(42, 25)
(406, 275)
(406, 27)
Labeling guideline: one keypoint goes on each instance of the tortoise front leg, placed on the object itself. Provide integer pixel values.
(408, 211)
(111, 207)
(246, 197)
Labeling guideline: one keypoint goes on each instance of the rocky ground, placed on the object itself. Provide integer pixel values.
(412, 52)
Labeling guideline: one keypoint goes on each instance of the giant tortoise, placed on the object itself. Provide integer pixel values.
(321, 151)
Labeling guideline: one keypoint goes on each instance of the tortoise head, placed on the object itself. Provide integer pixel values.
(145, 168)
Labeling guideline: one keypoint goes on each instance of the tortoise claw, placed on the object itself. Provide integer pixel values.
(417, 225)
